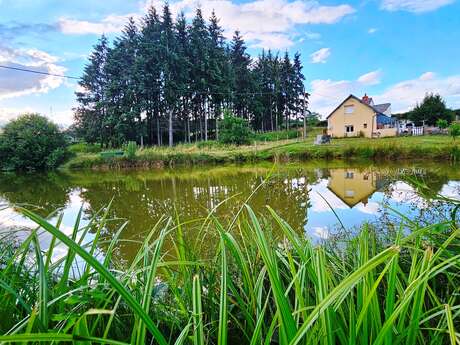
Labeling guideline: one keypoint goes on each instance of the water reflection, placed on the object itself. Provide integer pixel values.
(312, 198)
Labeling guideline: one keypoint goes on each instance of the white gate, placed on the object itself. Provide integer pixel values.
(417, 130)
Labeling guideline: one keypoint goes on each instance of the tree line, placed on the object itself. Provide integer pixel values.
(168, 81)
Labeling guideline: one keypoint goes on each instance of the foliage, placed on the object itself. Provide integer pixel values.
(454, 130)
(234, 130)
(168, 81)
(371, 289)
(433, 147)
(442, 123)
(83, 147)
(277, 135)
(431, 110)
(31, 142)
(131, 149)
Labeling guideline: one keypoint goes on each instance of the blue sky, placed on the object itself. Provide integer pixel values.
(395, 50)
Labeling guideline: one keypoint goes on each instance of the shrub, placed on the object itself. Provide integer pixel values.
(131, 149)
(454, 130)
(83, 147)
(441, 123)
(31, 142)
(234, 130)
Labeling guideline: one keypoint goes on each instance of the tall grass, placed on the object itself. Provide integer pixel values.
(435, 147)
(254, 289)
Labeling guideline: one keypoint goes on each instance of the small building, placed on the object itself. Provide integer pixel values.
(361, 117)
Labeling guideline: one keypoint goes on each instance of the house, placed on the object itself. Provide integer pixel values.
(354, 186)
(361, 117)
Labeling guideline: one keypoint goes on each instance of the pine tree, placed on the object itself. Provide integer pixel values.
(92, 110)
(149, 72)
(242, 83)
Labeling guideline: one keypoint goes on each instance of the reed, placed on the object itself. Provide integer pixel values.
(254, 288)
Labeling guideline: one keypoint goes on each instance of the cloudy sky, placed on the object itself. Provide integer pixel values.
(395, 50)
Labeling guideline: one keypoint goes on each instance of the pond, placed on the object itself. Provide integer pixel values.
(316, 199)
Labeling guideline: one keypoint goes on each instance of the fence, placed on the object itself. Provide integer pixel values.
(417, 130)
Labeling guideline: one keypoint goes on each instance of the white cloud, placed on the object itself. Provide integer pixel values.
(7, 114)
(372, 30)
(415, 6)
(109, 24)
(371, 207)
(321, 232)
(404, 95)
(320, 56)
(327, 94)
(264, 23)
(15, 83)
(319, 193)
(371, 78)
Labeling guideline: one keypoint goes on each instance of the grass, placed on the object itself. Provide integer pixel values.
(436, 147)
(401, 287)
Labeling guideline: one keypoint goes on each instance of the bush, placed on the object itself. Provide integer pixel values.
(31, 142)
(441, 123)
(454, 130)
(83, 147)
(131, 149)
(276, 135)
(234, 130)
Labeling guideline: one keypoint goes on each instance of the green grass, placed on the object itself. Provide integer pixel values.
(436, 147)
(375, 288)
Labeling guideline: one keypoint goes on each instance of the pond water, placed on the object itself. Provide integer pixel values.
(316, 199)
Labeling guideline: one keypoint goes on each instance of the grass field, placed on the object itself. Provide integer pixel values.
(398, 285)
(396, 148)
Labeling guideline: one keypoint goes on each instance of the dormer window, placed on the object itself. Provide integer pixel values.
(349, 109)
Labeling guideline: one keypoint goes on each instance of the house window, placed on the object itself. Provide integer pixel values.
(349, 129)
(349, 175)
(349, 193)
(349, 109)
(365, 125)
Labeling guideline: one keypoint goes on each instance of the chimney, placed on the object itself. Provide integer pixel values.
(365, 99)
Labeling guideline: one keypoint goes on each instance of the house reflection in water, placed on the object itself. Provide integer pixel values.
(353, 186)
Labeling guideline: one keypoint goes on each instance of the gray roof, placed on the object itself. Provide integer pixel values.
(381, 108)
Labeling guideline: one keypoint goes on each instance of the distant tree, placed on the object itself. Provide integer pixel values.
(454, 130)
(31, 142)
(430, 110)
(234, 130)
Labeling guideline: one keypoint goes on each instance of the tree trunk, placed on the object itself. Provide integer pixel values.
(206, 121)
(170, 128)
(158, 132)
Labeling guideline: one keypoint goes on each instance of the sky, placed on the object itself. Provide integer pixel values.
(394, 50)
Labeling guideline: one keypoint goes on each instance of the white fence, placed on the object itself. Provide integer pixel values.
(417, 130)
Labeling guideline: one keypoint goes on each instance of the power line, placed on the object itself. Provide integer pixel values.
(159, 90)
(38, 72)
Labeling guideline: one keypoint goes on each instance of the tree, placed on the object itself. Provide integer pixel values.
(241, 79)
(167, 80)
(454, 130)
(90, 114)
(31, 142)
(430, 110)
(234, 130)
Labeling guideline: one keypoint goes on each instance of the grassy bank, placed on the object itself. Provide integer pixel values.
(397, 148)
(376, 288)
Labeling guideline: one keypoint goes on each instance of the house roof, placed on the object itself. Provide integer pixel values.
(379, 108)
